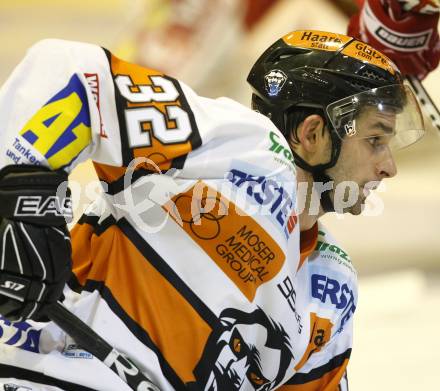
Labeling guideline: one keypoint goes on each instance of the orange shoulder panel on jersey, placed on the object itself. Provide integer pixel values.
(144, 294)
(320, 332)
(155, 119)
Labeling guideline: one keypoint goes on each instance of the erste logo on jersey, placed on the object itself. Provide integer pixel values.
(158, 121)
(61, 129)
(333, 293)
(270, 195)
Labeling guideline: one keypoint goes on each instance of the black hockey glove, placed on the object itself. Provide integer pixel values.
(35, 251)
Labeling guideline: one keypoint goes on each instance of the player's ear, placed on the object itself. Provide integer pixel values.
(313, 140)
(310, 132)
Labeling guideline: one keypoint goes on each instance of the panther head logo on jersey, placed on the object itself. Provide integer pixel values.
(229, 362)
(274, 81)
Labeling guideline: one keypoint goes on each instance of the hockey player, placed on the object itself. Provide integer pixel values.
(199, 261)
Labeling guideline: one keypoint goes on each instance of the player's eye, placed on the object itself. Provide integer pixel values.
(374, 141)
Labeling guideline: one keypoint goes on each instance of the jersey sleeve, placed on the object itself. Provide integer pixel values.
(333, 301)
(69, 101)
(326, 369)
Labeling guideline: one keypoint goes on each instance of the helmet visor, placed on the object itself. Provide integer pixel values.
(388, 114)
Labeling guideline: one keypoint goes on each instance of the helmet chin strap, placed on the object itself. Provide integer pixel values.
(319, 174)
(325, 200)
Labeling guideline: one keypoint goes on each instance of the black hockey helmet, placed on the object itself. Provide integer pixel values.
(337, 75)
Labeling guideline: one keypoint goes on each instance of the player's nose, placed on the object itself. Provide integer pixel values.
(386, 168)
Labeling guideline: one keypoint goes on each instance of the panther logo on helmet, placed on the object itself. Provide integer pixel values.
(274, 81)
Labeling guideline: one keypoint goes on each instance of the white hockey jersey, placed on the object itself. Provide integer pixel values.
(191, 262)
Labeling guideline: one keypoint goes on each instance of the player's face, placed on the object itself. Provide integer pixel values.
(365, 158)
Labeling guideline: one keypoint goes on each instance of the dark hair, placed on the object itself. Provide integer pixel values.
(292, 117)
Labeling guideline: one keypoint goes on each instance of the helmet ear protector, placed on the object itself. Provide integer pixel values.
(339, 78)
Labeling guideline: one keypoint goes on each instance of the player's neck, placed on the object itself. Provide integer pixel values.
(309, 213)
